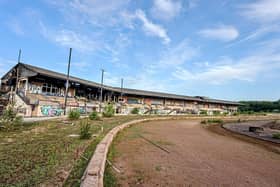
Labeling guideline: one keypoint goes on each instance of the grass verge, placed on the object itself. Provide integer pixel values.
(47, 152)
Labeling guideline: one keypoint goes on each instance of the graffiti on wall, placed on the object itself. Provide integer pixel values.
(48, 110)
(82, 110)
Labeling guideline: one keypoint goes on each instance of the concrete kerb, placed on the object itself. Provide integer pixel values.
(93, 175)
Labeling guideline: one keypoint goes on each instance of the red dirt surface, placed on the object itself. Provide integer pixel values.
(198, 157)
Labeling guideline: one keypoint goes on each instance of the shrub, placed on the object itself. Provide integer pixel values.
(215, 121)
(74, 114)
(216, 113)
(93, 116)
(276, 136)
(109, 111)
(203, 112)
(210, 121)
(203, 122)
(10, 119)
(135, 111)
(84, 130)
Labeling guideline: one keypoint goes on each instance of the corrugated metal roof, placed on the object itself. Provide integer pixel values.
(57, 75)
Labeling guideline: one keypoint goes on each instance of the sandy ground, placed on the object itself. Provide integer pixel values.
(198, 157)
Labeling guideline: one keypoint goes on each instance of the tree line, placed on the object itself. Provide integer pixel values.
(260, 106)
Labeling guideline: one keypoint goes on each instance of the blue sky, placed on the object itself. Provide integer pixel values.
(226, 49)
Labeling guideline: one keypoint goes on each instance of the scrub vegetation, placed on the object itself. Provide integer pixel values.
(51, 153)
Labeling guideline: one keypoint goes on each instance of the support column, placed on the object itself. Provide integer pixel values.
(26, 86)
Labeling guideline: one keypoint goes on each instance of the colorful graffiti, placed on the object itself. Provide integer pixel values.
(82, 110)
(48, 110)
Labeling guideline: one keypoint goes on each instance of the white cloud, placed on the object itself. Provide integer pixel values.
(179, 54)
(15, 27)
(262, 10)
(166, 9)
(151, 28)
(222, 33)
(97, 12)
(258, 33)
(69, 38)
(247, 69)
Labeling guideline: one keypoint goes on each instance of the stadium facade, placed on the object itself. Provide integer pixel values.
(41, 92)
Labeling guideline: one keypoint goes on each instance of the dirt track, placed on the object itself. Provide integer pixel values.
(197, 157)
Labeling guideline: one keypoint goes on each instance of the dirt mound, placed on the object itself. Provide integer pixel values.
(273, 125)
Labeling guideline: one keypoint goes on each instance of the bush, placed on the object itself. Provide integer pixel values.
(215, 121)
(276, 136)
(109, 111)
(135, 111)
(10, 119)
(204, 122)
(210, 121)
(203, 112)
(84, 130)
(216, 113)
(94, 116)
(74, 114)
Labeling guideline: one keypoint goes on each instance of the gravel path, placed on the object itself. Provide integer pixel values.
(197, 157)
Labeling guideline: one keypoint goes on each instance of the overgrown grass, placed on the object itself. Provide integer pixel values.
(94, 116)
(44, 153)
(109, 111)
(74, 114)
(212, 121)
(276, 136)
(84, 129)
(110, 180)
(135, 111)
(81, 164)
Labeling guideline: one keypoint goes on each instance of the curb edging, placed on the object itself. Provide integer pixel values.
(94, 173)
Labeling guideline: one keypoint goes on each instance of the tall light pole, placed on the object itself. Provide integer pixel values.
(101, 89)
(67, 81)
(122, 89)
(19, 58)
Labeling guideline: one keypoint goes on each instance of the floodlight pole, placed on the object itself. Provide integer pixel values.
(67, 81)
(121, 89)
(19, 58)
(101, 89)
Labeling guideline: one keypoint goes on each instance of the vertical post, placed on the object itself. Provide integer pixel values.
(121, 89)
(101, 89)
(67, 82)
(19, 58)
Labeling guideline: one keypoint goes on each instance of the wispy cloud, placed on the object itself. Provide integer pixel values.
(98, 12)
(224, 33)
(246, 69)
(16, 27)
(262, 10)
(151, 28)
(69, 38)
(258, 33)
(179, 54)
(166, 9)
